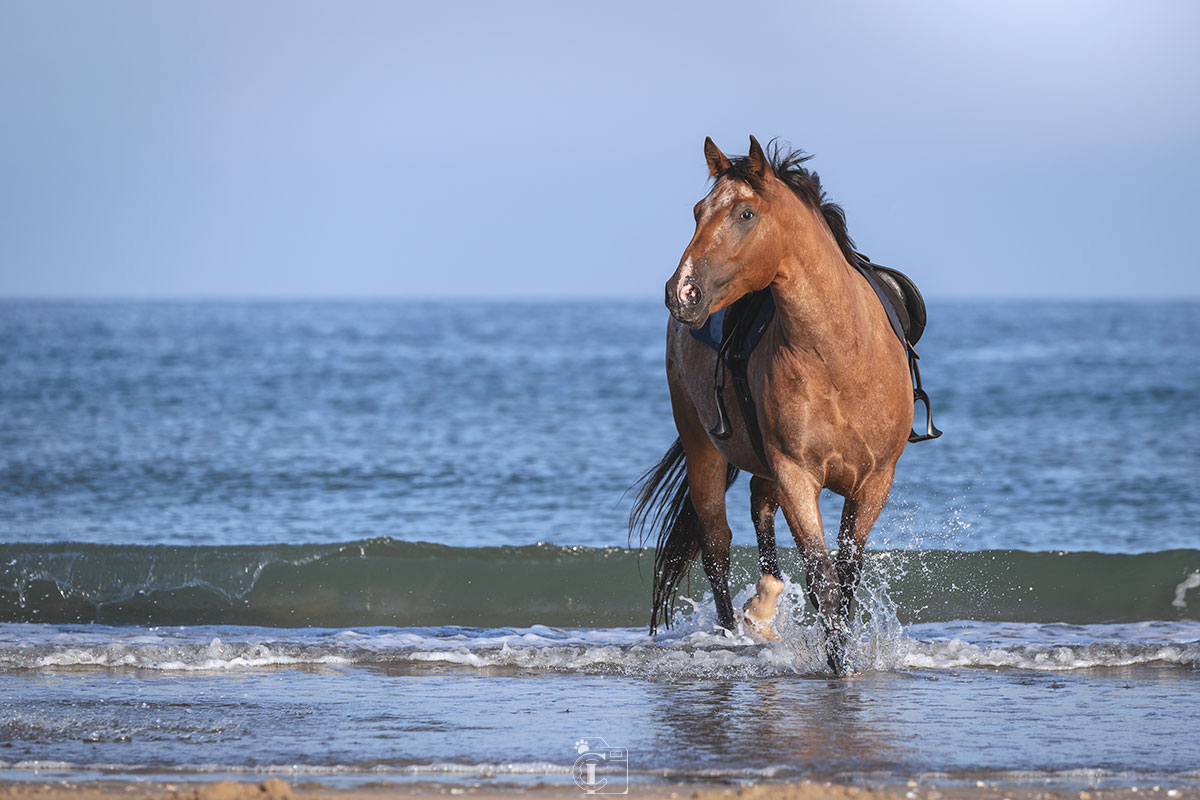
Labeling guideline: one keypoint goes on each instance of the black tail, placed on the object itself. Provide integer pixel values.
(664, 503)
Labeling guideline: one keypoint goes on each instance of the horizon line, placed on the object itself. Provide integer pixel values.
(528, 298)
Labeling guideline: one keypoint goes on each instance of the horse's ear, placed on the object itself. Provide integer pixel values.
(759, 165)
(717, 162)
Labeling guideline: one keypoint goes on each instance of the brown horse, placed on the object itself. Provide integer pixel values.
(830, 382)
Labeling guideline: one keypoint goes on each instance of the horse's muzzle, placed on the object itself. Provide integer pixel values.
(687, 302)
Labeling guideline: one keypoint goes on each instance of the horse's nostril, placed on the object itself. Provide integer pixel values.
(691, 295)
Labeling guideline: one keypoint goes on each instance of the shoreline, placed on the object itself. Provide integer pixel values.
(278, 789)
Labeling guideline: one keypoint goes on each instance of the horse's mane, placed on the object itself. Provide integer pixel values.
(789, 167)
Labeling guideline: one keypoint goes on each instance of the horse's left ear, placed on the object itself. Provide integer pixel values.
(757, 160)
(717, 162)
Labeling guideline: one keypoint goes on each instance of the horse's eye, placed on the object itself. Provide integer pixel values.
(747, 214)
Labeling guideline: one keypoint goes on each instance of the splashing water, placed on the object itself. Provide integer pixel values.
(877, 640)
(1190, 582)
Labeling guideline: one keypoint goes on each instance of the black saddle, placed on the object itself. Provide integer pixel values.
(906, 311)
(904, 295)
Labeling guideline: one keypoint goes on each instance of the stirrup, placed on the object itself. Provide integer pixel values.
(931, 431)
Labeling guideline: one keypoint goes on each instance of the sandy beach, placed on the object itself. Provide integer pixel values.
(277, 789)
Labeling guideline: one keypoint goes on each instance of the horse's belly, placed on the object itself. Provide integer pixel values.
(738, 449)
(839, 430)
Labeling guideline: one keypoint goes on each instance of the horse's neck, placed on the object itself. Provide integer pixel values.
(818, 302)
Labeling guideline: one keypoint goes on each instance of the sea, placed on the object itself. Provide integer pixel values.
(351, 542)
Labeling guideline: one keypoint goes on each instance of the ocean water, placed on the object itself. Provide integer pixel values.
(354, 541)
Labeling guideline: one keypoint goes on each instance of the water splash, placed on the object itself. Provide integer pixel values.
(876, 634)
(1190, 582)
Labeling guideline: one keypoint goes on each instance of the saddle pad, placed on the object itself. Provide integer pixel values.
(710, 332)
(760, 304)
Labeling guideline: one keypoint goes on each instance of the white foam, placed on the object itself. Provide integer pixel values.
(448, 768)
(1190, 582)
(157, 653)
(481, 769)
(694, 647)
(37, 765)
(958, 653)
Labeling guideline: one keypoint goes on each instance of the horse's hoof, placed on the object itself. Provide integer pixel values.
(837, 648)
(838, 663)
(763, 629)
(760, 611)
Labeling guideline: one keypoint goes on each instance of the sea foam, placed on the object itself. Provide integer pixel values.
(690, 650)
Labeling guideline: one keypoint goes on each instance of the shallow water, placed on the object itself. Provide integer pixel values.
(211, 518)
(509, 705)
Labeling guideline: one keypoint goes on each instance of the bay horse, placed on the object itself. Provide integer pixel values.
(831, 387)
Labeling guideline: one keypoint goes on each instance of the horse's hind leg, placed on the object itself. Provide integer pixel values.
(760, 610)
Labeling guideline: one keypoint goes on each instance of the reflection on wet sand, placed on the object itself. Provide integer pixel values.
(823, 726)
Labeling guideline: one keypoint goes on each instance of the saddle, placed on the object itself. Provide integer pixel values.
(735, 331)
(902, 295)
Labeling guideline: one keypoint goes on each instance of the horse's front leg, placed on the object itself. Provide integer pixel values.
(798, 496)
(859, 514)
(706, 471)
(760, 609)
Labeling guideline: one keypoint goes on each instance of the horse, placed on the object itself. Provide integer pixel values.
(831, 387)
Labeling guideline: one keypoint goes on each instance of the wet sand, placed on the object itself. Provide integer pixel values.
(275, 789)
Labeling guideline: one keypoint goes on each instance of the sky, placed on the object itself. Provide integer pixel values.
(1032, 148)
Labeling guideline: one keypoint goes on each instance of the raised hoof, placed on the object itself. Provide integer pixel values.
(764, 630)
(760, 610)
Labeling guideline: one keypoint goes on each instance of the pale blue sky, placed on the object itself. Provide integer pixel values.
(532, 149)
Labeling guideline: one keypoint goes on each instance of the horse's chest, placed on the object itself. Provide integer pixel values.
(798, 410)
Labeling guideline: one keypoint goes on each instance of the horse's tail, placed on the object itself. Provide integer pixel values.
(664, 503)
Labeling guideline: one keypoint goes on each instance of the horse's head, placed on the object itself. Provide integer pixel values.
(732, 251)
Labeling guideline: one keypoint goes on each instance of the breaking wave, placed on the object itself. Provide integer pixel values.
(388, 582)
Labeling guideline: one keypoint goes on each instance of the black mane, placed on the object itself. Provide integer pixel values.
(789, 167)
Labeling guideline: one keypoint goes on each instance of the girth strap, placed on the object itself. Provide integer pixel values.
(893, 317)
(752, 314)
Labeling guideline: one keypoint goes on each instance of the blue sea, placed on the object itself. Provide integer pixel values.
(361, 541)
